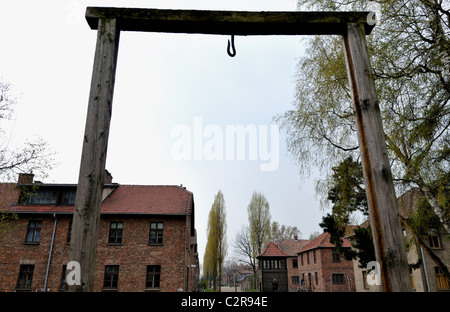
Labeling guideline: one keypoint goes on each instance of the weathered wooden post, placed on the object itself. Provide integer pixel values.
(384, 215)
(83, 244)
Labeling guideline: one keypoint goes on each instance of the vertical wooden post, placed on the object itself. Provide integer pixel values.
(83, 245)
(384, 216)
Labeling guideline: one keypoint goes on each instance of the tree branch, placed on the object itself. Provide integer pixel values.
(338, 146)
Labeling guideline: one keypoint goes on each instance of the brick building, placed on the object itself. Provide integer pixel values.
(278, 266)
(322, 269)
(147, 238)
(291, 247)
(304, 265)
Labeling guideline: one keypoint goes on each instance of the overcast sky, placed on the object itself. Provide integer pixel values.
(164, 83)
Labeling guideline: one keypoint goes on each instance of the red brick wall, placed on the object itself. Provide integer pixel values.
(14, 252)
(291, 271)
(132, 256)
(311, 268)
(325, 267)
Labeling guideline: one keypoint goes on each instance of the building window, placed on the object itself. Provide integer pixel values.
(41, 197)
(314, 255)
(63, 277)
(295, 280)
(301, 259)
(338, 279)
(25, 277)
(69, 197)
(364, 277)
(156, 233)
(295, 263)
(317, 278)
(33, 231)
(434, 239)
(336, 257)
(115, 233)
(153, 276)
(111, 279)
(69, 232)
(307, 258)
(442, 281)
(274, 264)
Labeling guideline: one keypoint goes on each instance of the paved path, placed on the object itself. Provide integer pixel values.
(230, 289)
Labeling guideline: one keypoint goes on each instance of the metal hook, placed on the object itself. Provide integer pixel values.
(232, 54)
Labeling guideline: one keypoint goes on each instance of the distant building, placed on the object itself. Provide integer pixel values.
(272, 271)
(238, 276)
(428, 277)
(146, 242)
(304, 265)
(322, 269)
(292, 247)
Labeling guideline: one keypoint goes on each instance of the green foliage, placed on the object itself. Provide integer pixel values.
(364, 245)
(216, 246)
(279, 233)
(422, 219)
(203, 284)
(348, 196)
(364, 248)
(336, 234)
(347, 190)
(409, 53)
(259, 222)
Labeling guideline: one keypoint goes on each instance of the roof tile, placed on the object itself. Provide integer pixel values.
(323, 241)
(131, 199)
(272, 250)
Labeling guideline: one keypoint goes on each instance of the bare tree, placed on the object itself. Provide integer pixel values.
(243, 247)
(33, 156)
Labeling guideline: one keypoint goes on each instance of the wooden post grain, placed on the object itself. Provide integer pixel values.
(384, 216)
(83, 245)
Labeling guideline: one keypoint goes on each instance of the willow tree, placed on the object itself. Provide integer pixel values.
(410, 57)
(216, 247)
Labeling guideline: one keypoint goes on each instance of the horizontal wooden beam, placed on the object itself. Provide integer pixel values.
(229, 22)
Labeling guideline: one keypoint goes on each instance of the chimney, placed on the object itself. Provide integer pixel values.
(295, 238)
(25, 178)
(108, 178)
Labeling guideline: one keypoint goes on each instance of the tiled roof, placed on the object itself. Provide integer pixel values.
(130, 199)
(291, 246)
(272, 250)
(152, 199)
(323, 241)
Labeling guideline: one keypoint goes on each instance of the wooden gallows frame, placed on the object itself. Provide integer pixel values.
(352, 26)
